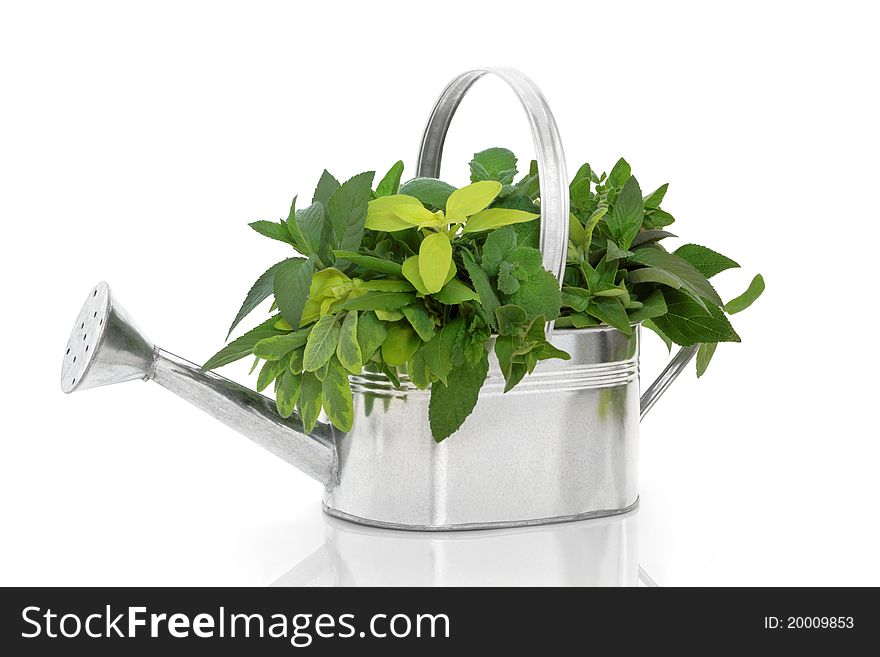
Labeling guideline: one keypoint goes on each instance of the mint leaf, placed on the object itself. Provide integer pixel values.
(438, 352)
(429, 191)
(242, 346)
(494, 164)
(310, 400)
(688, 277)
(747, 298)
(274, 230)
(704, 260)
(657, 218)
(371, 334)
(625, 219)
(620, 174)
(292, 280)
(337, 398)
(498, 245)
(507, 282)
(390, 182)
(704, 355)
(528, 234)
(650, 237)
(483, 287)
(687, 322)
(348, 211)
(326, 186)
(321, 344)
(258, 293)
(614, 252)
(453, 402)
(655, 198)
(310, 222)
(610, 310)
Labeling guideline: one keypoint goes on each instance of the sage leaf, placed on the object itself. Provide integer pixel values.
(292, 281)
(390, 182)
(429, 191)
(243, 345)
(321, 343)
(371, 334)
(483, 287)
(435, 256)
(418, 317)
(388, 285)
(400, 344)
(310, 400)
(453, 402)
(337, 398)
(348, 351)
(625, 219)
(747, 298)
(288, 392)
(372, 263)
(704, 260)
(378, 301)
(704, 355)
(687, 322)
(278, 346)
(270, 371)
(258, 293)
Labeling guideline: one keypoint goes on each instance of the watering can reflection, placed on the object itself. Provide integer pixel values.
(561, 446)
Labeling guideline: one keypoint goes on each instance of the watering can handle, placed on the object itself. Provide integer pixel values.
(553, 180)
(548, 150)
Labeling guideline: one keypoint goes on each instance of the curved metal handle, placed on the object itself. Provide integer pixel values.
(548, 152)
(667, 376)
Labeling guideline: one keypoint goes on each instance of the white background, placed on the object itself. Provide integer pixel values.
(139, 139)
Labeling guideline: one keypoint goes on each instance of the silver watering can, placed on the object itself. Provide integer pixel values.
(563, 445)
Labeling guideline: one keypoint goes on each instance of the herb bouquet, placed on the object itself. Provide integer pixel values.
(421, 280)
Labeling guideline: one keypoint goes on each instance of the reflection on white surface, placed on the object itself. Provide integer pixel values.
(600, 552)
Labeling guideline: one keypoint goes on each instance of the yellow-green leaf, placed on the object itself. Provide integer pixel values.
(288, 393)
(411, 273)
(496, 218)
(380, 215)
(400, 343)
(469, 200)
(435, 257)
(348, 351)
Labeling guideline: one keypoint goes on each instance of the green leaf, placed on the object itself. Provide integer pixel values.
(576, 298)
(498, 245)
(288, 392)
(687, 322)
(390, 182)
(389, 315)
(653, 275)
(371, 334)
(614, 252)
(418, 370)
(483, 287)
(270, 371)
(378, 301)
(507, 282)
(429, 191)
(528, 234)
(454, 293)
(274, 230)
(418, 317)
(747, 298)
(658, 219)
(620, 175)
(348, 211)
(610, 311)
(510, 318)
(496, 218)
(451, 403)
(258, 293)
(321, 344)
(471, 199)
(704, 260)
(326, 186)
(438, 352)
(689, 278)
(655, 198)
(400, 344)
(704, 355)
(435, 256)
(653, 306)
(278, 346)
(591, 224)
(382, 213)
(625, 219)
(650, 237)
(348, 351)
(494, 164)
(310, 400)
(388, 285)
(539, 290)
(310, 222)
(242, 346)
(370, 262)
(292, 280)
(337, 398)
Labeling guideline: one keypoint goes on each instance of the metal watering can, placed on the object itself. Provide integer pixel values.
(563, 445)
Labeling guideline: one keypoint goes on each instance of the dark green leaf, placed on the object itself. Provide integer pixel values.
(390, 182)
(310, 222)
(510, 319)
(259, 291)
(650, 237)
(625, 219)
(658, 219)
(321, 344)
(620, 174)
(348, 211)
(610, 311)
(649, 324)
(483, 287)
(451, 403)
(438, 352)
(429, 191)
(614, 252)
(379, 301)
(655, 198)
(704, 260)
(498, 245)
(691, 279)
(371, 334)
(507, 282)
(747, 298)
(242, 346)
(370, 262)
(653, 306)
(687, 323)
(494, 164)
(292, 280)
(653, 275)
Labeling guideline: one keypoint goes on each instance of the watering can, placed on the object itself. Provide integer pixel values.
(562, 445)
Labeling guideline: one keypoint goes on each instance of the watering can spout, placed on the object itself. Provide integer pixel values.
(106, 347)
